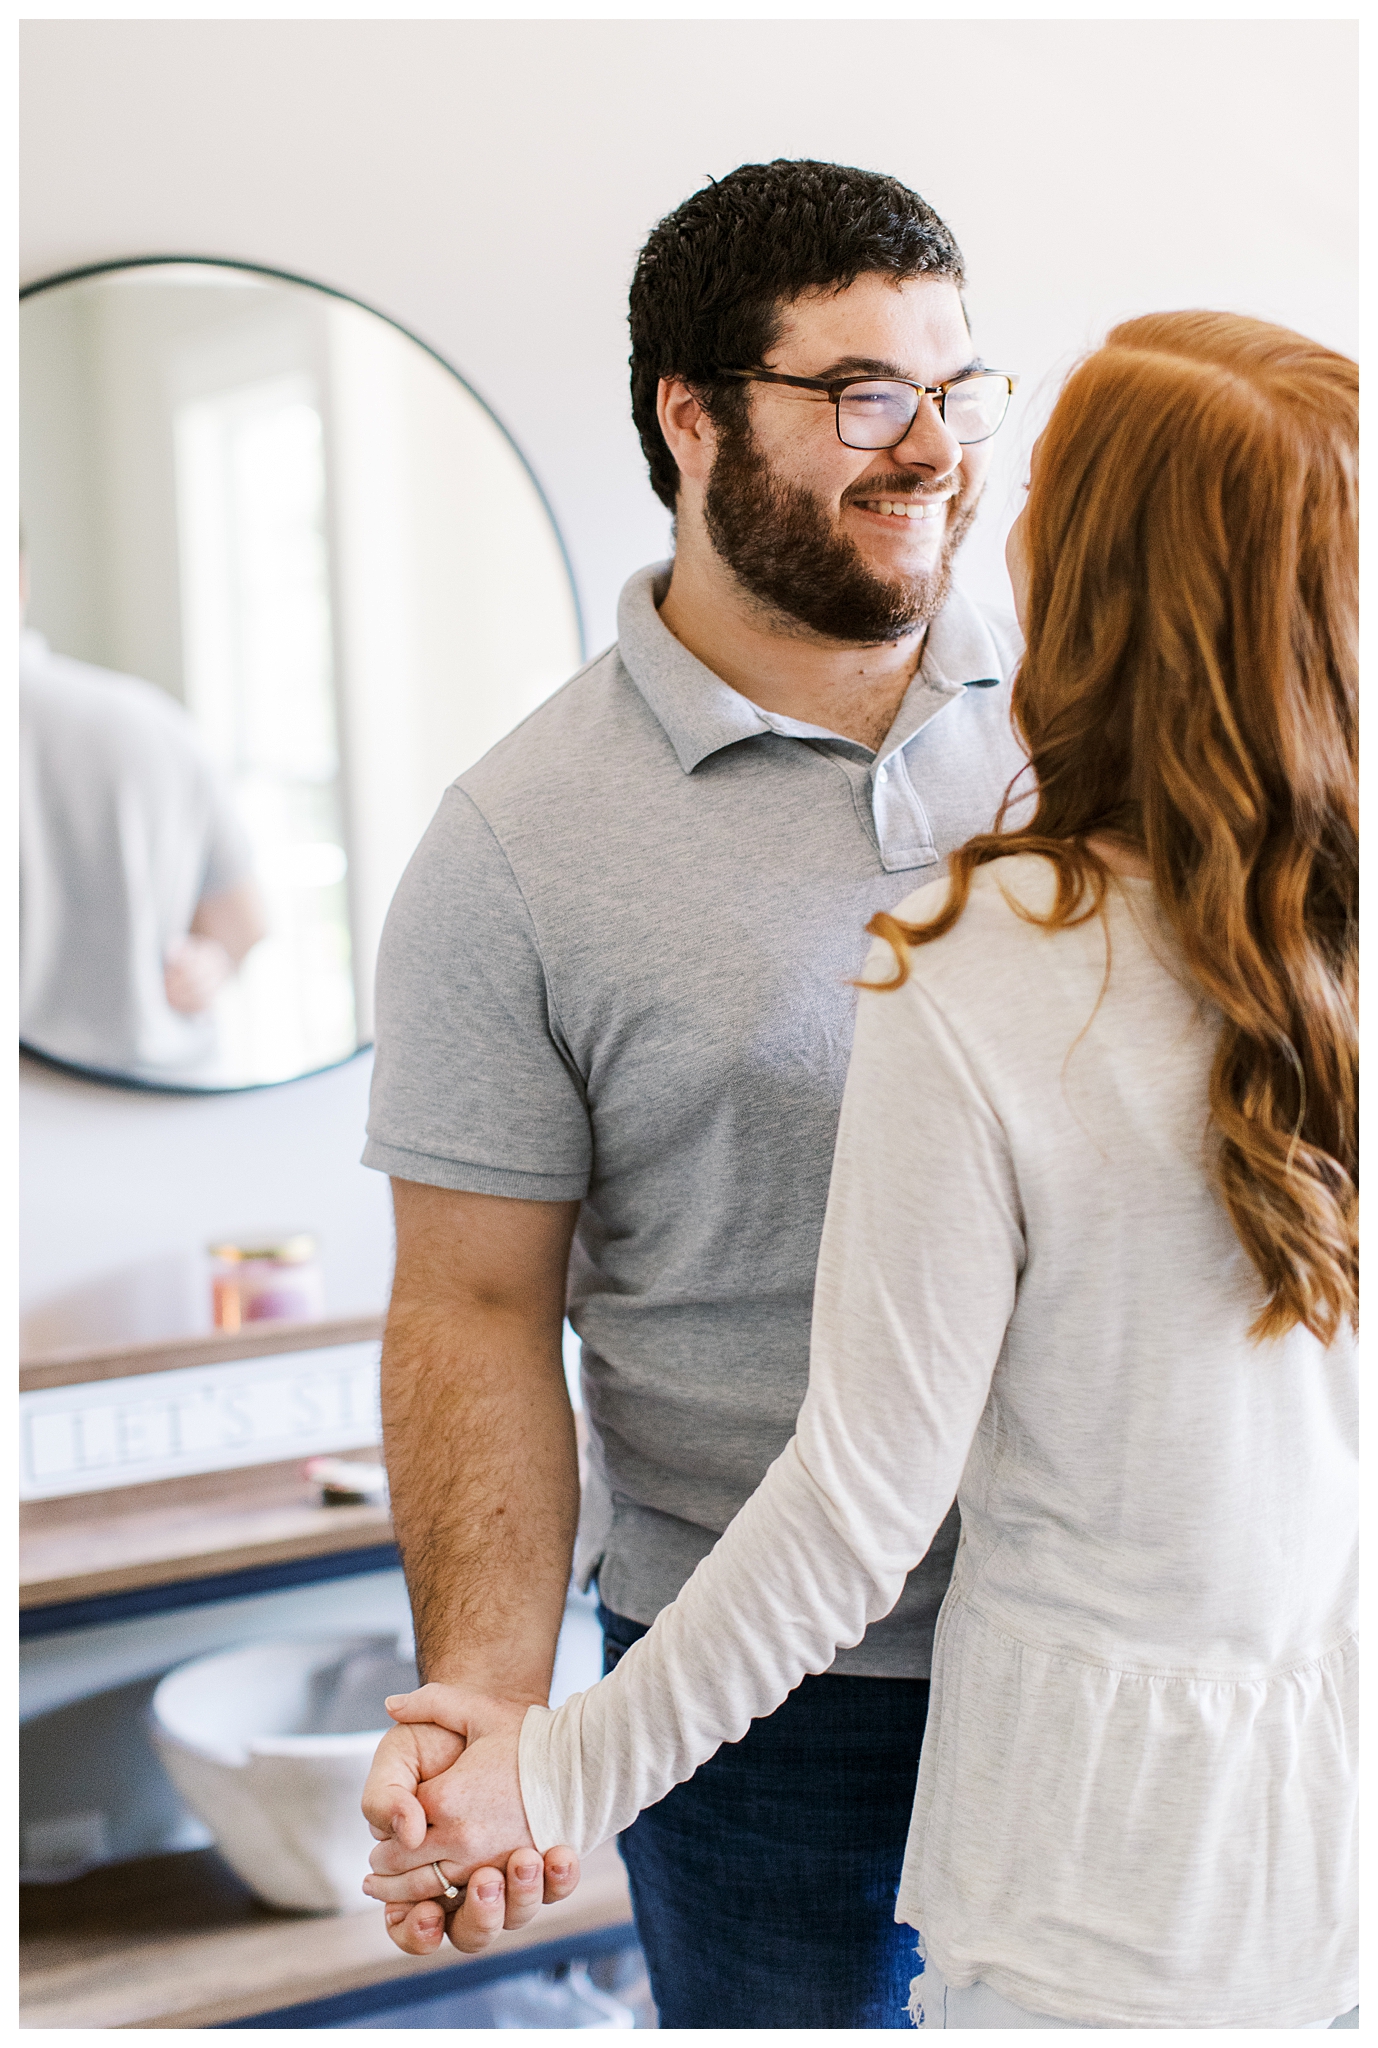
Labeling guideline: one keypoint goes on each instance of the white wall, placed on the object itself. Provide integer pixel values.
(120, 1191)
(488, 184)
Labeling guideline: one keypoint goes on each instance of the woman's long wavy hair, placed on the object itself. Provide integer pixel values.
(1190, 686)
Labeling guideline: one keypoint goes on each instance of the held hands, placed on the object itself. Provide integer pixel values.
(444, 1790)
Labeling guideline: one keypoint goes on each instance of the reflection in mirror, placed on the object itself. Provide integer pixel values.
(285, 578)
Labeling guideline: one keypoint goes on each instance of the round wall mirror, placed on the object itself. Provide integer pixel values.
(284, 577)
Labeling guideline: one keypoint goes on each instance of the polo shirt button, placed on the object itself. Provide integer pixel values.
(882, 772)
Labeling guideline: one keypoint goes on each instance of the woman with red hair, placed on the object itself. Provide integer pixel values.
(1089, 1263)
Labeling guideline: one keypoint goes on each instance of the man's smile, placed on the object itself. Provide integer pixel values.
(918, 511)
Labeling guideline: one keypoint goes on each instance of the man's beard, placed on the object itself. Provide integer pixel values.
(779, 543)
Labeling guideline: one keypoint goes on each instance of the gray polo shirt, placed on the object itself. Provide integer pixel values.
(617, 971)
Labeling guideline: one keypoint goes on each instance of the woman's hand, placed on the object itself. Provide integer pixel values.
(444, 1791)
(491, 1901)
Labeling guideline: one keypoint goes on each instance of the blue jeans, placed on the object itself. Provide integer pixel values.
(764, 1888)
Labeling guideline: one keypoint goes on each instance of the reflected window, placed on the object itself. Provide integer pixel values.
(258, 664)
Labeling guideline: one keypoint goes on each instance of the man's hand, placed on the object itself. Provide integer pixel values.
(444, 1791)
(404, 1757)
(224, 927)
(470, 1810)
(194, 972)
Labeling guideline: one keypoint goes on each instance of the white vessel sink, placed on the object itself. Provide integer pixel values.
(270, 1744)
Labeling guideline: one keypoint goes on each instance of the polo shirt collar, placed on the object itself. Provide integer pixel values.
(701, 713)
(959, 654)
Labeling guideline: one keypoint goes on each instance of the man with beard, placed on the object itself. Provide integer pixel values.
(614, 1014)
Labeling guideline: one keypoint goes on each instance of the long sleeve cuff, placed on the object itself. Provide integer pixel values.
(549, 1804)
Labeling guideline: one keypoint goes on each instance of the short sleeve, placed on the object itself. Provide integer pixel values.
(473, 1086)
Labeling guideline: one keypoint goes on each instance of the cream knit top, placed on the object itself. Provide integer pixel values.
(1135, 1806)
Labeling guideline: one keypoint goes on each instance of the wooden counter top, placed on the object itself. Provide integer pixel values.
(88, 1544)
(80, 1364)
(92, 1543)
(179, 1941)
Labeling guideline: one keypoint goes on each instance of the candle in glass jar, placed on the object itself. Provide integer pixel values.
(275, 1277)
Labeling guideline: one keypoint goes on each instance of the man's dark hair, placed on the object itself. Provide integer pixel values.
(714, 275)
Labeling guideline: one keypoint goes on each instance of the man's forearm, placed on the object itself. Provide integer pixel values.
(480, 1447)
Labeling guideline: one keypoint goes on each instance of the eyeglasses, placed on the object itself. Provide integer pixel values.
(877, 412)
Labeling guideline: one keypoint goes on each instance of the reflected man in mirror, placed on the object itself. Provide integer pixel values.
(137, 896)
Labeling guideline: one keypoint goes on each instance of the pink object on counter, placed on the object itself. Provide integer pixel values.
(275, 1278)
